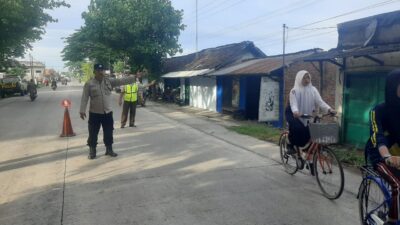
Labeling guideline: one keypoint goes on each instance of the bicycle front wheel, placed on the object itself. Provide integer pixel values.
(373, 205)
(289, 162)
(329, 173)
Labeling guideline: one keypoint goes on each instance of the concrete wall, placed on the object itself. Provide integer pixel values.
(203, 93)
(37, 73)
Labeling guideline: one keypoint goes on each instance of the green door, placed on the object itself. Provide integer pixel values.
(362, 92)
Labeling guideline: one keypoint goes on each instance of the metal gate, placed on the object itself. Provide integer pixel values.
(361, 93)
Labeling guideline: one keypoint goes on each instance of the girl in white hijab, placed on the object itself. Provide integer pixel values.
(304, 99)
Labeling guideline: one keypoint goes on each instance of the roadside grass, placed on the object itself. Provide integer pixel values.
(260, 131)
(348, 155)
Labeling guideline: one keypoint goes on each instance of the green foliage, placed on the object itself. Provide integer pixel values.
(81, 46)
(260, 131)
(119, 67)
(350, 156)
(21, 23)
(87, 71)
(141, 32)
(74, 67)
(17, 71)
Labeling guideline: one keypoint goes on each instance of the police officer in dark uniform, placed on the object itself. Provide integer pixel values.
(98, 90)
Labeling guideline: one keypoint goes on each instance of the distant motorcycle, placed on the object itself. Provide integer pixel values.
(32, 90)
(33, 95)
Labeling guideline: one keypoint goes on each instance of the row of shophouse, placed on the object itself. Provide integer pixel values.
(241, 78)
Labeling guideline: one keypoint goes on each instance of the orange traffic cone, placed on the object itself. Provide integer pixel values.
(67, 127)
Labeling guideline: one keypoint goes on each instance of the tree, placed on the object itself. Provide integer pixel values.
(21, 23)
(142, 31)
(87, 70)
(81, 46)
(17, 71)
(119, 66)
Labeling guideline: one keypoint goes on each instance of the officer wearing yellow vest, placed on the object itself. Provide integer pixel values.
(130, 95)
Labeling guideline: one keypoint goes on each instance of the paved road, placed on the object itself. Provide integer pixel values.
(174, 168)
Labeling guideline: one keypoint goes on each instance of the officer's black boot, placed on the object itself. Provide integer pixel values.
(92, 153)
(110, 152)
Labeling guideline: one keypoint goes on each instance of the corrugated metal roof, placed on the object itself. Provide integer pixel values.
(211, 58)
(382, 29)
(337, 53)
(264, 65)
(188, 73)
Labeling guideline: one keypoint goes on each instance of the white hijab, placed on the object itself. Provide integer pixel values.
(304, 95)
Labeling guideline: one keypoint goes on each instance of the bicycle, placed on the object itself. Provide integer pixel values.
(374, 198)
(325, 165)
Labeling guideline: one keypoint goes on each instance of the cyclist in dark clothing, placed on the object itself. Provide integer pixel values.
(383, 147)
(32, 86)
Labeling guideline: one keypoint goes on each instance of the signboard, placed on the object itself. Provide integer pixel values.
(269, 100)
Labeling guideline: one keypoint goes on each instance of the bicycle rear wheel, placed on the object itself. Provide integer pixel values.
(329, 173)
(373, 206)
(289, 162)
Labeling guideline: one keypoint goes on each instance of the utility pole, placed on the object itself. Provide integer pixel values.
(31, 58)
(283, 62)
(284, 45)
(197, 29)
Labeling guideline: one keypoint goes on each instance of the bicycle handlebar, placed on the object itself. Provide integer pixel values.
(317, 118)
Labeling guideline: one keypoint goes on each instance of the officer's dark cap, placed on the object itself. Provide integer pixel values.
(98, 66)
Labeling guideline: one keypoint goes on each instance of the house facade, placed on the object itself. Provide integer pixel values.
(258, 88)
(35, 69)
(368, 49)
(189, 72)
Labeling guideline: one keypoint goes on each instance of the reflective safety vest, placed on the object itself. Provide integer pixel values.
(130, 93)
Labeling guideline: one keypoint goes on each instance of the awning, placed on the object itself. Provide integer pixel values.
(188, 73)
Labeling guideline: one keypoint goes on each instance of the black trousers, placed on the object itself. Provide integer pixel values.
(128, 107)
(95, 121)
(299, 134)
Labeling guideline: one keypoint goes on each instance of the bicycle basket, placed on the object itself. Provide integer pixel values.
(324, 133)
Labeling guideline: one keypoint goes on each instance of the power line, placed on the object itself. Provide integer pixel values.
(216, 9)
(213, 8)
(317, 28)
(349, 13)
(228, 7)
(272, 34)
(258, 19)
(210, 4)
(277, 33)
(296, 39)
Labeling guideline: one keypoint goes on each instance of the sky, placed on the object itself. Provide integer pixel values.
(222, 22)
